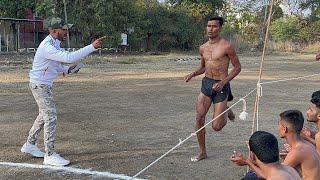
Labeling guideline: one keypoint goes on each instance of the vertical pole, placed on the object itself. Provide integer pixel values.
(4, 33)
(34, 31)
(0, 42)
(24, 35)
(66, 20)
(37, 35)
(7, 43)
(255, 119)
(18, 38)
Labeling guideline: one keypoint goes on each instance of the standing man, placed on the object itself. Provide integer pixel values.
(216, 55)
(46, 66)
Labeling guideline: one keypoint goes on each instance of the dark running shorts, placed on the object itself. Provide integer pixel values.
(216, 97)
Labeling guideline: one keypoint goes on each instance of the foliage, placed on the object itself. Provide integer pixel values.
(95, 18)
(285, 29)
(15, 8)
(199, 9)
(176, 24)
(45, 8)
(310, 32)
(171, 28)
(314, 7)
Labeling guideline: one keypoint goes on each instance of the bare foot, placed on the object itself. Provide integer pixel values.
(231, 115)
(199, 157)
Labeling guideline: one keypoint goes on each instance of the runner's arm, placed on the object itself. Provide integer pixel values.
(231, 53)
(199, 71)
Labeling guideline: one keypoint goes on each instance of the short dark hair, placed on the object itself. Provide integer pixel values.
(218, 18)
(265, 146)
(294, 118)
(315, 99)
(316, 94)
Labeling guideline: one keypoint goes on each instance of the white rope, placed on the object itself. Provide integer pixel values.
(259, 89)
(216, 117)
(244, 104)
(290, 79)
(259, 93)
(257, 109)
(243, 115)
(180, 142)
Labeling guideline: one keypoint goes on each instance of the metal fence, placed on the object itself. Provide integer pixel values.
(20, 34)
(25, 35)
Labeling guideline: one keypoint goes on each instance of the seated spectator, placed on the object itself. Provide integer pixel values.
(302, 156)
(264, 153)
(313, 114)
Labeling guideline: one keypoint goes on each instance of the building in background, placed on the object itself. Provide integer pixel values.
(18, 34)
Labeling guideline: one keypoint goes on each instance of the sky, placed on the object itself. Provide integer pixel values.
(284, 6)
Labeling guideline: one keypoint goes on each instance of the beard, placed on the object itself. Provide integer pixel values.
(61, 37)
(311, 118)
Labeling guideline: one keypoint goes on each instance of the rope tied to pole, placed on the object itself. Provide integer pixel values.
(259, 90)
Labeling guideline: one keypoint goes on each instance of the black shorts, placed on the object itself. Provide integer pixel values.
(216, 97)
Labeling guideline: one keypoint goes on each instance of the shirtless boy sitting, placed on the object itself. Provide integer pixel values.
(302, 156)
(264, 152)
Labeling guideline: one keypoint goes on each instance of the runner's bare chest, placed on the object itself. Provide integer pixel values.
(215, 54)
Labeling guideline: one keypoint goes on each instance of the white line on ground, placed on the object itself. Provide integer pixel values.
(68, 169)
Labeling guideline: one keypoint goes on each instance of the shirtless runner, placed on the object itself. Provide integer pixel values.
(216, 55)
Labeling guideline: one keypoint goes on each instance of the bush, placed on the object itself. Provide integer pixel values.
(285, 29)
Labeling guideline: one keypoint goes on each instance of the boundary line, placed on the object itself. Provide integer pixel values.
(69, 170)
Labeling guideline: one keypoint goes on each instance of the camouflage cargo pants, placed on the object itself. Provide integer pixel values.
(47, 118)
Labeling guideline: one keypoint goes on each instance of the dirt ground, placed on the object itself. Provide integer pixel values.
(122, 112)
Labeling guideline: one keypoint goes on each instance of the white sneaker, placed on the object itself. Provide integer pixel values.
(55, 160)
(33, 150)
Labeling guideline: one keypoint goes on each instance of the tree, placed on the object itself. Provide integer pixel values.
(285, 29)
(314, 7)
(102, 17)
(15, 8)
(199, 9)
(168, 28)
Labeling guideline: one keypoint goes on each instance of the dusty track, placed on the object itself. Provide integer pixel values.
(120, 114)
